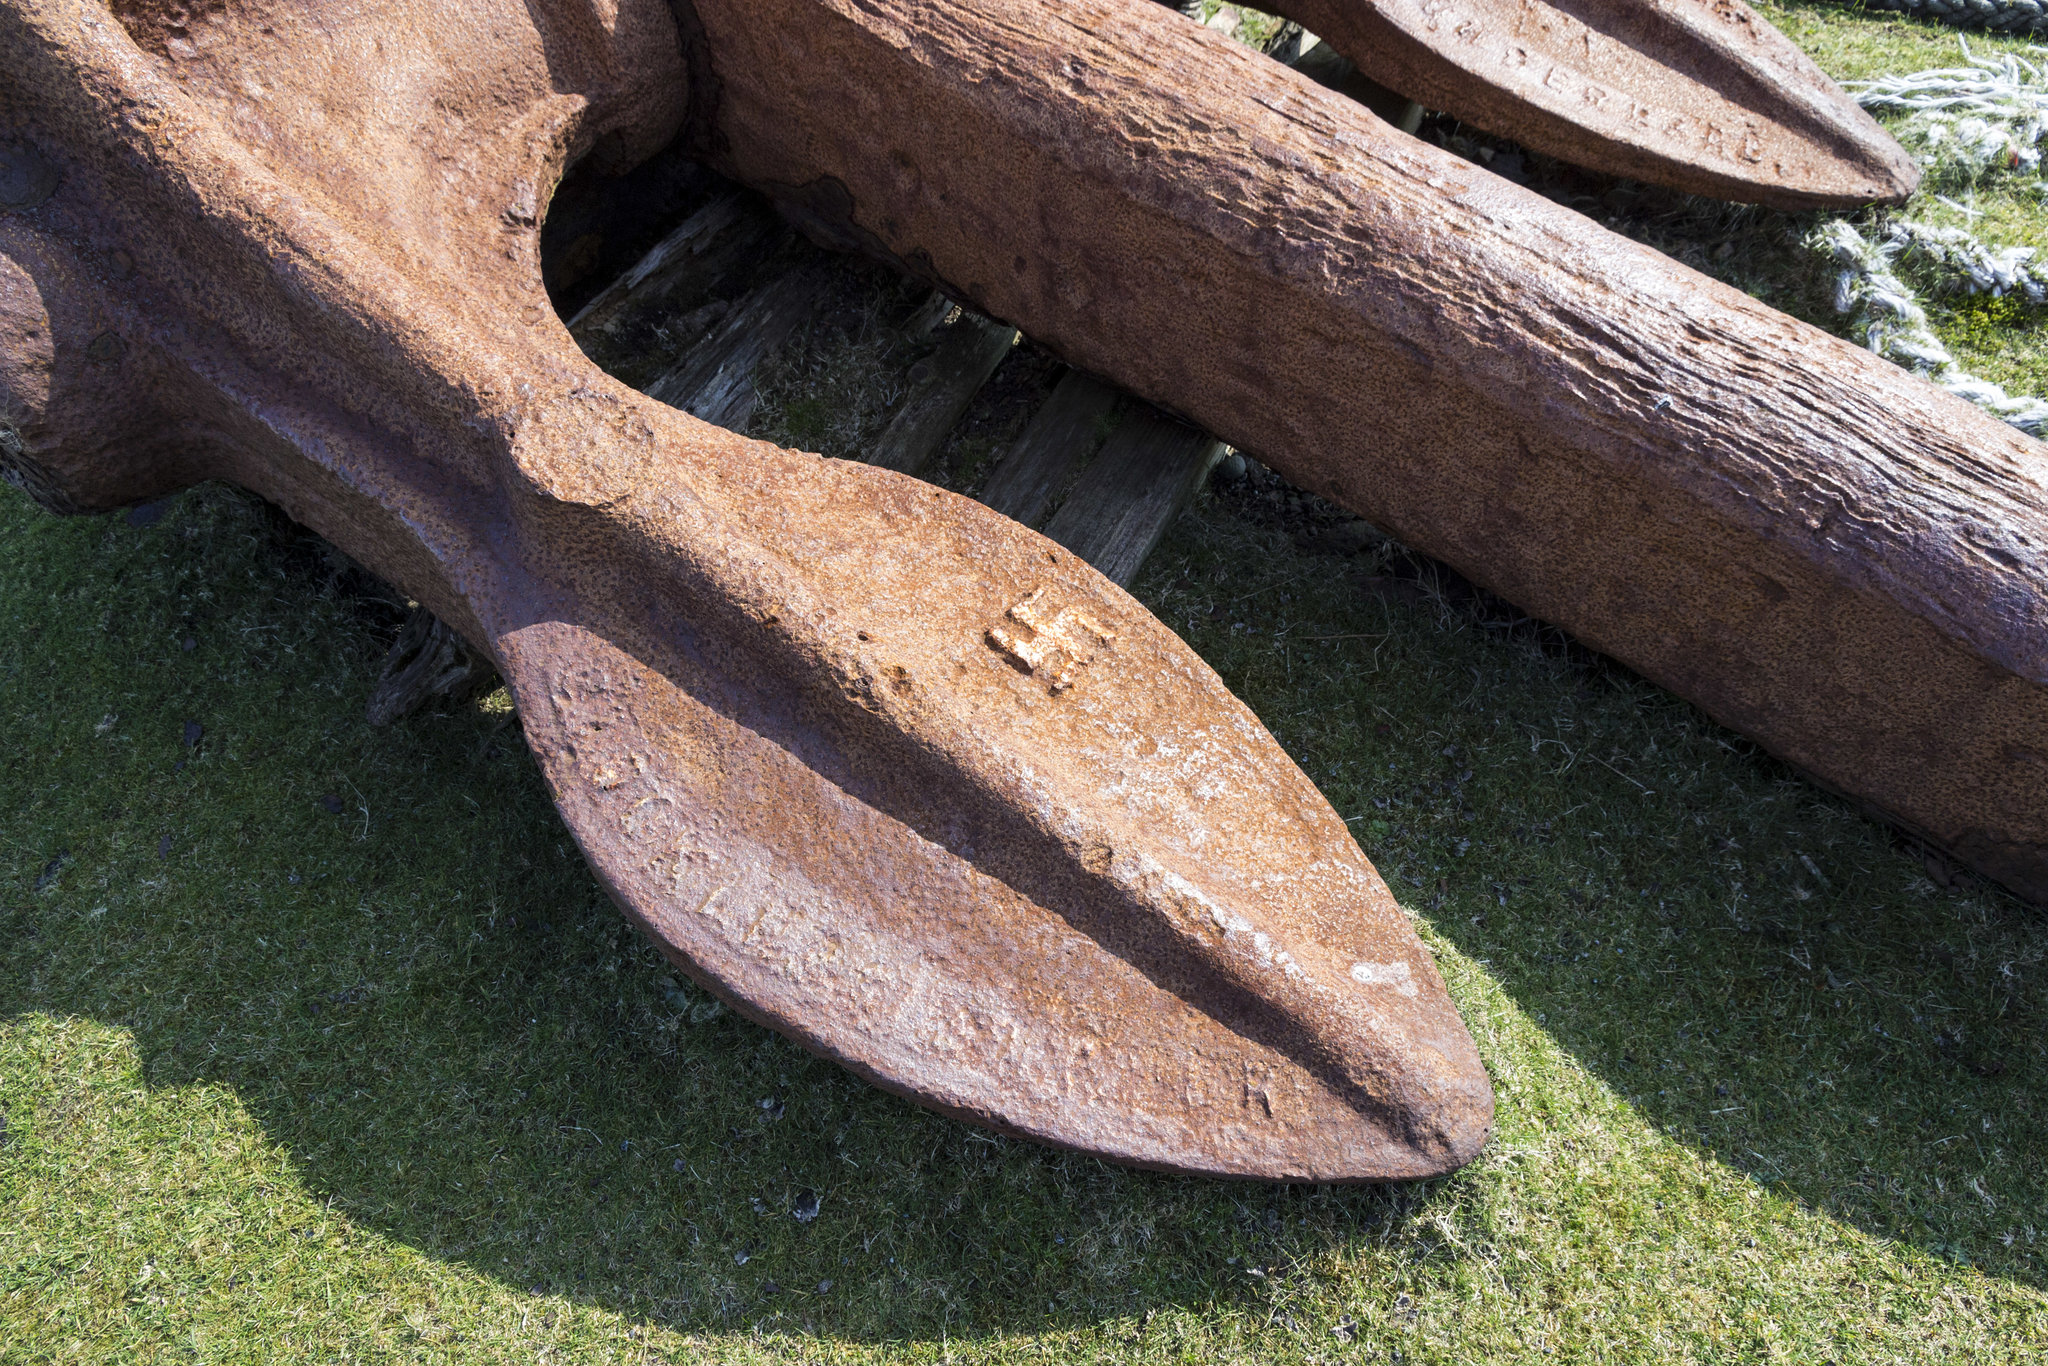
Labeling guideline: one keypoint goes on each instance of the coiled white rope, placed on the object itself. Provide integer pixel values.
(1985, 119)
(1968, 122)
(1963, 263)
(1887, 317)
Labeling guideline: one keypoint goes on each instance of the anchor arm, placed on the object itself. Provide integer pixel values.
(1699, 95)
(1067, 887)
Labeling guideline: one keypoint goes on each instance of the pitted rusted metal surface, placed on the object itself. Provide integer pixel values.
(1820, 549)
(891, 773)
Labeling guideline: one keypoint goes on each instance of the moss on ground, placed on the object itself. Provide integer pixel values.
(320, 1043)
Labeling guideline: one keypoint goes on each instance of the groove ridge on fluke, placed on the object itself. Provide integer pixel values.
(1053, 884)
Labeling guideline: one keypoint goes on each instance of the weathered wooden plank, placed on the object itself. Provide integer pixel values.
(969, 352)
(427, 661)
(1148, 470)
(1064, 431)
(653, 273)
(715, 381)
(649, 319)
(930, 314)
(600, 223)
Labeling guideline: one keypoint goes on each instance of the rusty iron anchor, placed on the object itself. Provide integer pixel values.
(893, 775)
(888, 772)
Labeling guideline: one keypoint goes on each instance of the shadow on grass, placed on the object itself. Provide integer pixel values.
(424, 998)
(428, 1003)
(1759, 970)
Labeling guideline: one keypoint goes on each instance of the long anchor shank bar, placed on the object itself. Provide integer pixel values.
(1823, 551)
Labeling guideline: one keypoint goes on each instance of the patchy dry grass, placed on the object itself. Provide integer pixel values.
(394, 1082)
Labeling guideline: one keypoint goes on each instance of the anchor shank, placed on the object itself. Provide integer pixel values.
(1823, 551)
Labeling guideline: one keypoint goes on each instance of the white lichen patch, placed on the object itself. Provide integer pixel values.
(1397, 975)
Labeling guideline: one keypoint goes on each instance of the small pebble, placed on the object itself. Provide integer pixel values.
(1230, 469)
(148, 514)
(331, 804)
(193, 732)
(53, 870)
(806, 1208)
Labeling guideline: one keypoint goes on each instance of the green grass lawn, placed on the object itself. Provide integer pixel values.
(320, 1043)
